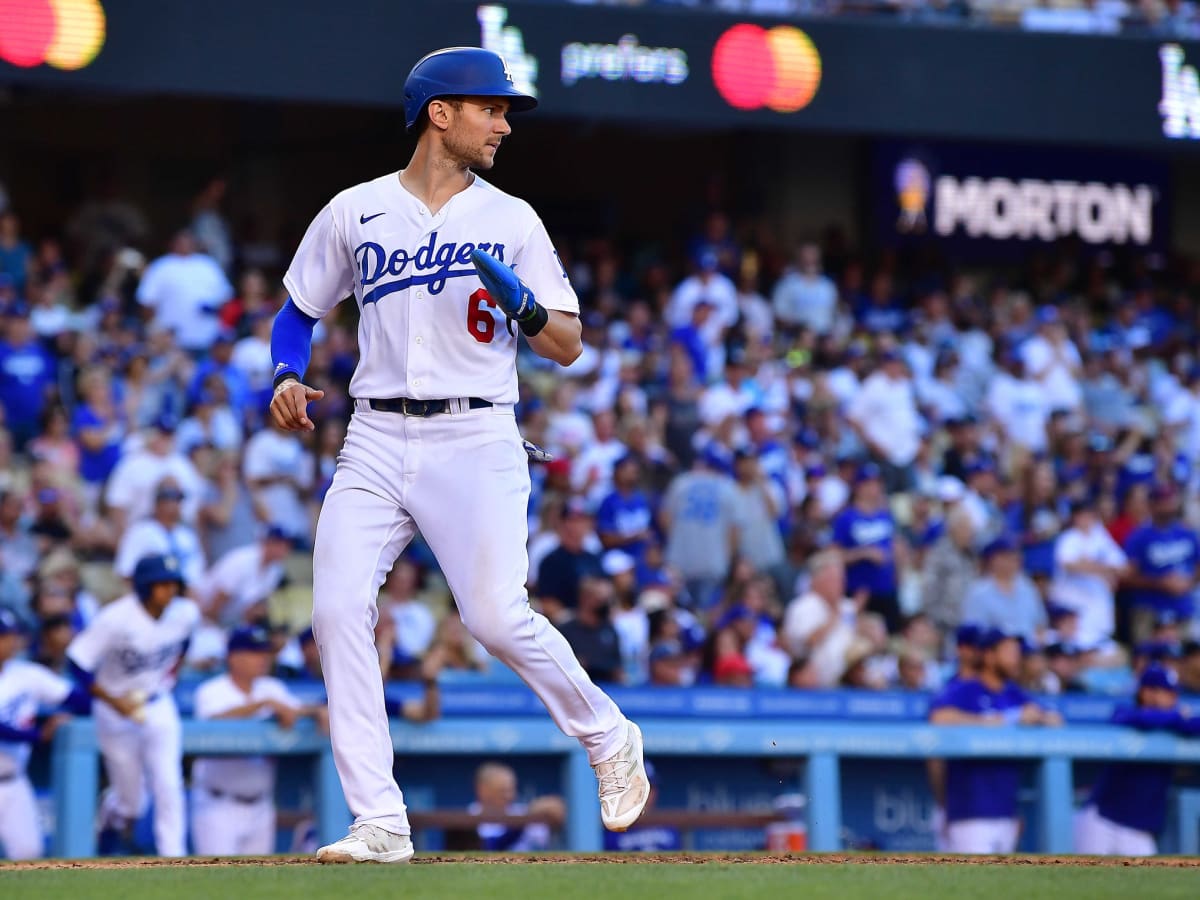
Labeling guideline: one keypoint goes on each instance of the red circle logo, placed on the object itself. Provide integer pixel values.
(778, 68)
(67, 34)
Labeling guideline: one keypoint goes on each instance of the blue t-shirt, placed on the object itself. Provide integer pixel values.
(852, 528)
(981, 788)
(1135, 794)
(691, 341)
(1138, 469)
(25, 373)
(14, 262)
(1156, 552)
(1038, 537)
(95, 465)
(625, 516)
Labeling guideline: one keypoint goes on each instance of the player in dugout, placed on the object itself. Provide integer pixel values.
(1128, 804)
(981, 794)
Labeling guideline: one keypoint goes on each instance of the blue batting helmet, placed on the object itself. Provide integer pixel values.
(460, 71)
(152, 570)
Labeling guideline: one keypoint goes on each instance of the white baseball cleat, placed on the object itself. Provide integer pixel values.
(624, 787)
(368, 843)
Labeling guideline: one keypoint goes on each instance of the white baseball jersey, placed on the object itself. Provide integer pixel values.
(244, 776)
(25, 687)
(126, 649)
(428, 330)
(241, 575)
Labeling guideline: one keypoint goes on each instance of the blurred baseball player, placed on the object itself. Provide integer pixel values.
(1128, 804)
(429, 254)
(981, 794)
(233, 798)
(966, 649)
(127, 657)
(25, 687)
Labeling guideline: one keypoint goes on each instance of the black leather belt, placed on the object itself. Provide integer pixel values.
(422, 408)
(237, 798)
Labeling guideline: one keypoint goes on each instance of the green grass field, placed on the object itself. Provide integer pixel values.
(699, 879)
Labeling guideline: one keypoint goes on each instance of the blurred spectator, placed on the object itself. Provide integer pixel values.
(185, 290)
(1004, 596)
(208, 225)
(819, 624)
(130, 491)
(760, 503)
(234, 592)
(26, 375)
(981, 795)
(496, 795)
(804, 297)
(1163, 556)
(412, 624)
(279, 472)
(951, 566)
(16, 256)
(884, 414)
(19, 551)
(866, 533)
(624, 517)
(699, 515)
(1189, 668)
(707, 285)
(591, 634)
(1089, 566)
(562, 569)
(1053, 362)
(163, 533)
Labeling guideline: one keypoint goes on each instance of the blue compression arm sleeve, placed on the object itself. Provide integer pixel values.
(81, 676)
(79, 701)
(291, 342)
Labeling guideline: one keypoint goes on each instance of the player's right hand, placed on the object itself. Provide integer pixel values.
(289, 406)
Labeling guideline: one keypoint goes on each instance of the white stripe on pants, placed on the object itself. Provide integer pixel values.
(20, 826)
(1098, 836)
(463, 481)
(136, 753)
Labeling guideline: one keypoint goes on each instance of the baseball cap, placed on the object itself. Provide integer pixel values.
(1047, 315)
(276, 533)
(1003, 544)
(166, 421)
(251, 638)
(1156, 676)
(1156, 650)
(306, 636)
(967, 635)
(9, 622)
(168, 492)
(616, 562)
(577, 507)
(731, 664)
(979, 465)
(1056, 611)
(950, 489)
(991, 637)
(666, 650)
(867, 472)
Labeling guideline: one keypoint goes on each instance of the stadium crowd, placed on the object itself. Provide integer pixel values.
(776, 466)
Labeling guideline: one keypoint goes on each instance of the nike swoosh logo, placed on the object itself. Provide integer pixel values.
(363, 220)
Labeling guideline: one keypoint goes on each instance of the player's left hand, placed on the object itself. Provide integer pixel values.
(511, 294)
(289, 406)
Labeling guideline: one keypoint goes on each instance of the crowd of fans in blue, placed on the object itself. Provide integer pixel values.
(800, 467)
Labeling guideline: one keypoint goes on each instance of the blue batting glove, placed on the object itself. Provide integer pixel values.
(511, 294)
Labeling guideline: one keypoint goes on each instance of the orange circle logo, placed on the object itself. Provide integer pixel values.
(67, 34)
(778, 68)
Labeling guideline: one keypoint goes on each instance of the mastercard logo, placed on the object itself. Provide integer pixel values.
(67, 34)
(778, 68)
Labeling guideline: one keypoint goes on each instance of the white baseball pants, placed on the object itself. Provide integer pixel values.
(21, 834)
(135, 753)
(462, 480)
(222, 826)
(1098, 836)
(982, 836)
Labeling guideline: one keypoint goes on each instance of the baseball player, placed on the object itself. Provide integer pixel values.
(981, 795)
(233, 798)
(429, 254)
(127, 657)
(25, 687)
(1128, 803)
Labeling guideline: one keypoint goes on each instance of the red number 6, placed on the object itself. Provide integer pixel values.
(480, 321)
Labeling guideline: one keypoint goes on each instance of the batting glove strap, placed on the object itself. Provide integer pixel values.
(534, 322)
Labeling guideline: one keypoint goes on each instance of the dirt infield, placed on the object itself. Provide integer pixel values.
(863, 859)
